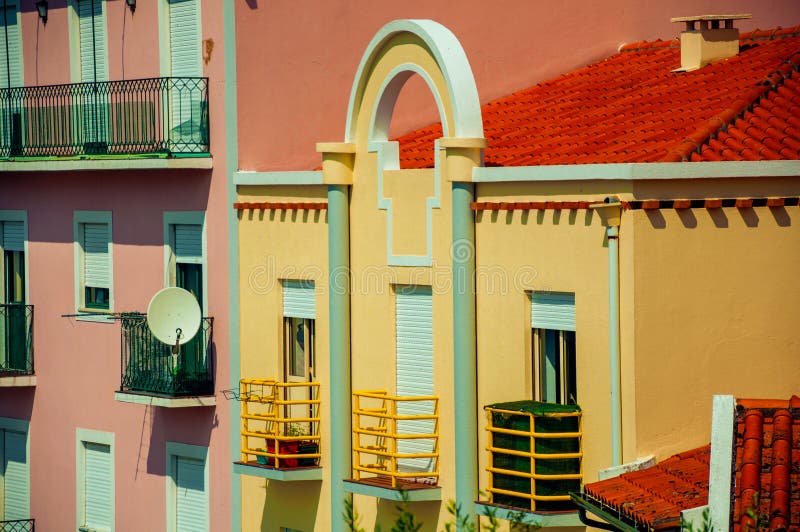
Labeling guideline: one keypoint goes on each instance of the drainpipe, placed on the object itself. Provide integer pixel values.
(610, 212)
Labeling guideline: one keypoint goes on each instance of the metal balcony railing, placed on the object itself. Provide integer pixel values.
(280, 423)
(399, 436)
(16, 339)
(535, 455)
(149, 366)
(18, 525)
(167, 116)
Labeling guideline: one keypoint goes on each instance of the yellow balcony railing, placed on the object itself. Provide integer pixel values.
(280, 423)
(395, 438)
(535, 455)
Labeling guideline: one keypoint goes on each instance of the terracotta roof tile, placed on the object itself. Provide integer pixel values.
(767, 474)
(655, 496)
(631, 107)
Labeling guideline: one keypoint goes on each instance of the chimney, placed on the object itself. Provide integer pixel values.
(714, 39)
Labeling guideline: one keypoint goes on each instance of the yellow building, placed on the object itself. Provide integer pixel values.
(390, 297)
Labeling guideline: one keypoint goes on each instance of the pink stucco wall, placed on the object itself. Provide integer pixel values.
(295, 66)
(78, 363)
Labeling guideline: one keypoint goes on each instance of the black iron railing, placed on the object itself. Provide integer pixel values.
(149, 366)
(16, 340)
(166, 116)
(18, 525)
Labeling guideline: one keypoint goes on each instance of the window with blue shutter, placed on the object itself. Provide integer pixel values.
(414, 370)
(553, 323)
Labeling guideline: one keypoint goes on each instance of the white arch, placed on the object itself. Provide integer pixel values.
(451, 61)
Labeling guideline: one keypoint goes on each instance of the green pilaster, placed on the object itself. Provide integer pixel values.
(465, 362)
(339, 305)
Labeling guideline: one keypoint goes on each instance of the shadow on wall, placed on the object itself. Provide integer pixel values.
(17, 403)
(290, 505)
(525, 216)
(750, 217)
(191, 426)
(425, 513)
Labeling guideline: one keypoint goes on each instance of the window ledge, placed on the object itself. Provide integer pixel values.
(543, 520)
(305, 473)
(432, 493)
(122, 163)
(18, 381)
(166, 402)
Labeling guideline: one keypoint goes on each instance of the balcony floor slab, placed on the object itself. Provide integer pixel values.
(254, 470)
(18, 381)
(116, 163)
(543, 520)
(166, 402)
(375, 489)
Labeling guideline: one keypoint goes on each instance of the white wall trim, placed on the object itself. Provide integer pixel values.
(82, 217)
(719, 481)
(17, 216)
(175, 450)
(103, 438)
(630, 171)
(184, 217)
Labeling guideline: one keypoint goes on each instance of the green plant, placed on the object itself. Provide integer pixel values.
(351, 517)
(297, 429)
(406, 521)
(704, 526)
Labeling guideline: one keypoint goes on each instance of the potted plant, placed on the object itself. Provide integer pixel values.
(298, 446)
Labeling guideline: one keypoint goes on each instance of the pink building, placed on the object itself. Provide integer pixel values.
(113, 187)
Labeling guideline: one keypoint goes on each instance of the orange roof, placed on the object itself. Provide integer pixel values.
(652, 499)
(631, 107)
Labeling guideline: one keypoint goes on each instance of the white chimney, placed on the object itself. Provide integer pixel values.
(716, 38)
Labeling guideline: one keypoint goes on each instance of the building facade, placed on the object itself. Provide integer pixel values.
(112, 188)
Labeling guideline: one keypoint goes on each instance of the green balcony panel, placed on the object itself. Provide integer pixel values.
(16, 339)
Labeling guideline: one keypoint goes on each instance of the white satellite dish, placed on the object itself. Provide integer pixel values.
(174, 316)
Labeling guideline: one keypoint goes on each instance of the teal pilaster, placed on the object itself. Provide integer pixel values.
(612, 234)
(339, 306)
(464, 350)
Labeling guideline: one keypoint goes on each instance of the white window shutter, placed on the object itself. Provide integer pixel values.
(92, 31)
(299, 299)
(191, 503)
(97, 486)
(189, 243)
(96, 263)
(16, 474)
(553, 310)
(13, 236)
(11, 34)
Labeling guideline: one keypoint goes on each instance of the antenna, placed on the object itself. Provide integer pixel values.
(174, 316)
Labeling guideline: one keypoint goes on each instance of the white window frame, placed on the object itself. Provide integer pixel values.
(92, 217)
(15, 216)
(73, 24)
(15, 425)
(16, 4)
(165, 43)
(102, 438)
(182, 450)
(171, 219)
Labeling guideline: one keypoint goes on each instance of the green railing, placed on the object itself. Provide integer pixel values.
(166, 116)
(18, 525)
(16, 339)
(149, 366)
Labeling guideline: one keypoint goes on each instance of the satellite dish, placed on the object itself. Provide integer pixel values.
(173, 316)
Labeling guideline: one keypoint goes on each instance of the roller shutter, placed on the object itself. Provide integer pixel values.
(553, 310)
(299, 300)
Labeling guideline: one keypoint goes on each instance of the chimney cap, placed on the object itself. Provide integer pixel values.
(698, 18)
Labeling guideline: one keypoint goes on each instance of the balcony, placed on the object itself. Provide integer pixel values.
(280, 429)
(16, 345)
(18, 525)
(152, 374)
(535, 461)
(150, 118)
(395, 446)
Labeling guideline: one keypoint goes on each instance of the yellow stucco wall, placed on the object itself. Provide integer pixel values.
(275, 245)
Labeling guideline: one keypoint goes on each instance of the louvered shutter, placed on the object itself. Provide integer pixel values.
(97, 486)
(185, 61)
(92, 31)
(16, 472)
(13, 236)
(552, 310)
(299, 300)
(96, 267)
(189, 243)
(191, 504)
(414, 355)
(11, 34)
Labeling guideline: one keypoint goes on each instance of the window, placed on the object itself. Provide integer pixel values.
(92, 59)
(95, 480)
(11, 76)
(187, 488)
(93, 262)
(14, 315)
(299, 310)
(184, 251)
(553, 340)
(14, 470)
